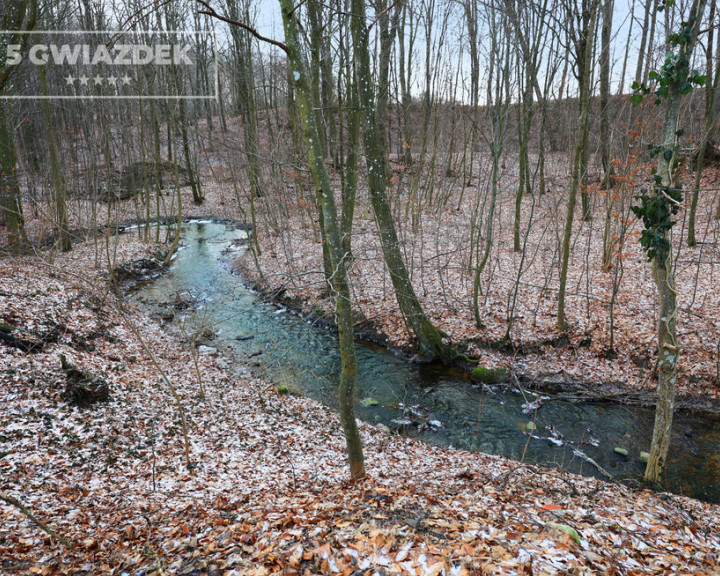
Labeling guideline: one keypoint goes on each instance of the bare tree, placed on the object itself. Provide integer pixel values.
(18, 15)
(582, 20)
(428, 336)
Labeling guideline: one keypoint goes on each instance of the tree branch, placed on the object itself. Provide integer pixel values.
(210, 11)
(381, 14)
(20, 506)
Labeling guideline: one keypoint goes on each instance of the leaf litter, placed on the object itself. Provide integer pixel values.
(268, 492)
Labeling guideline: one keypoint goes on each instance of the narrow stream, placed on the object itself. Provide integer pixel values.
(427, 402)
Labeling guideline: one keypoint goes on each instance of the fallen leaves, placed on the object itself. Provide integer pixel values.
(440, 260)
(111, 477)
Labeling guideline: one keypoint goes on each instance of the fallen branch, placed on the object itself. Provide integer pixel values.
(20, 506)
(589, 460)
(24, 345)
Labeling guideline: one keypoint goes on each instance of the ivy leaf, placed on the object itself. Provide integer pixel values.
(636, 99)
(567, 529)
(699, 79)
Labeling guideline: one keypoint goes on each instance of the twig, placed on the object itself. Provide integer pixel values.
(210, 11)
(20, 506)
(381, 14)
(671, 199)
(152, 6)
(589, 460)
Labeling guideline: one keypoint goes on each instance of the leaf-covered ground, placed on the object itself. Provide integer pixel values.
(268, 491)
(519, 290)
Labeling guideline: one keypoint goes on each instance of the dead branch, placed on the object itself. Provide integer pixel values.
(44, 527)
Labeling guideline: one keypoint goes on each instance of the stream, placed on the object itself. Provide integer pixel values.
(428, 402)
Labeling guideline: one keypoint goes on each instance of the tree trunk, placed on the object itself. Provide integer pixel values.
(338, 280)
(664, 272)
(58, 186)
(189, 164)
(388, 28)
(585, 68)
(639, 76)
(178, 226)
(471, 21)
(429, 338)
(18, 15)
(583, 55)
(349, 185)
(405, 74)
(10, 195)
(498, 108)
(175, 73)
(664, 276)
(605, 139)
(525, 114)
(709, 121)
(245, 87)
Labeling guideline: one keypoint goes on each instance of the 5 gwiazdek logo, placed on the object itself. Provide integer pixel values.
(106, 64)
(120, 55)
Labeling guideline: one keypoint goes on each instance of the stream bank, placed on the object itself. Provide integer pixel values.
(268, 493)
(426, 401)
(320, 312)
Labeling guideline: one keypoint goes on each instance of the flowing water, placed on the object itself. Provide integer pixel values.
(429, 402)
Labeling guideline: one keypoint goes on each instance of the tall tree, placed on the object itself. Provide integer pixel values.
(497, 110)
(582, 22)
(350, 148)
(18, 15)
(405, 67)
(428, 336)
(387, 30)
(338, 281)
(648, 22)
(658, 206)
(172, 21)
(605, 138)
(529, 33)
(713, 83)
(471, 21)
(58, 184)
(245, 89)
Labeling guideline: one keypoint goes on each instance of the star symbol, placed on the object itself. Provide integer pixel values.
(97, 79)
(83, 80)
(111, 80)
(126, 79)
(70, 79)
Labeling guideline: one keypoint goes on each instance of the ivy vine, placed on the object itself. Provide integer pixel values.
(656, 211)
(658, 205)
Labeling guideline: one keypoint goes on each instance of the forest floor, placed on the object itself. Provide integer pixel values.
(267, 489)
(442, 231)
(518, 290)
